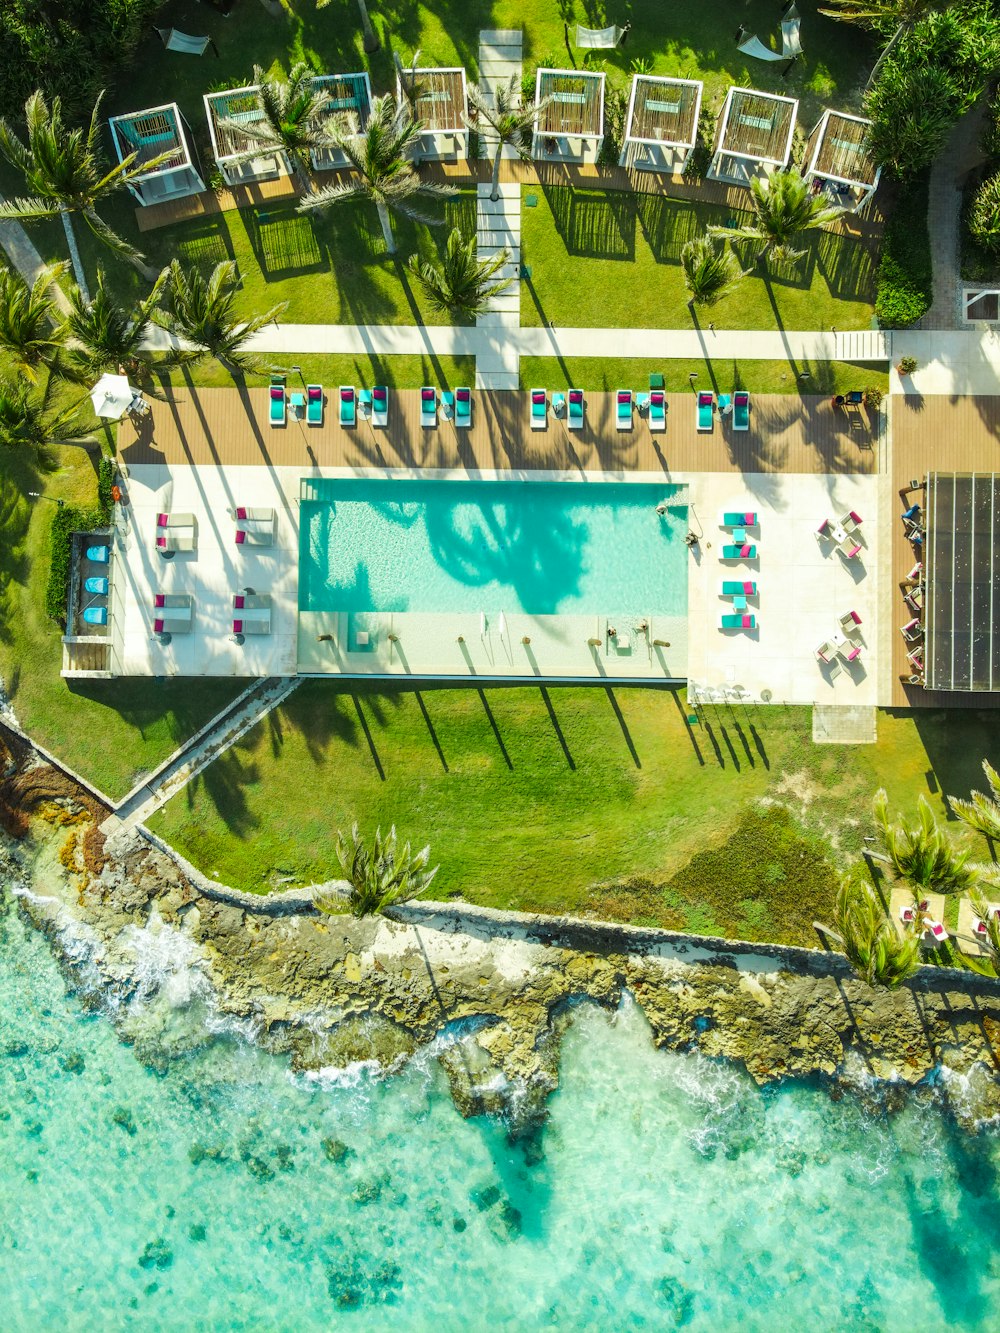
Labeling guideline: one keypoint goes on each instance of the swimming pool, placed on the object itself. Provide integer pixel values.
(544, 548)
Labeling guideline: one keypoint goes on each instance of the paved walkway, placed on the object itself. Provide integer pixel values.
(202, 749)
(25, 258)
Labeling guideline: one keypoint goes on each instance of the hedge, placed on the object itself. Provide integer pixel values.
(67, 520)
(905, 286)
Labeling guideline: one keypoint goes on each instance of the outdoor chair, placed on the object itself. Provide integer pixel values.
(851, 548)
(428, 406)
(744, 519)
(314, 404)
(706, 410)
(97, 555)
(463, 408)
(254, 515)
(912, 631)
(574, 418)
(851, 521)
(186, 541)
(741, 410)
(848, 653)
(175, 520)
(539, 409)
(850, 622)
(279, 406)
(623, 409)
(823, 530)
(657, 410)
(738, 622)
(348, 405)
(97, 585)
(744, 552)
(95, 615)
(172, 612)
(739, 587)
(380, 405)
(825, 652)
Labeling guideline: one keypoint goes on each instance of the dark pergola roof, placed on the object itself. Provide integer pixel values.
(962, 581)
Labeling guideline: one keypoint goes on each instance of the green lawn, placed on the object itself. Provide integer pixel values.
(592, 372)
(569, 799)
(398, 372)
(601, 257)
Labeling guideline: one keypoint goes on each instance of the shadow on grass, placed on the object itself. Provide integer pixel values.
(284, 242)
(596, 224)
(19, 473)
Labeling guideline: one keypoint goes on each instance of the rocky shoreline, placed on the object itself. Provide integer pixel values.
(495, 989)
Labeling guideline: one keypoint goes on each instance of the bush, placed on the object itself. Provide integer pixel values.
(69, 519)
(984, 214)
(905, 273)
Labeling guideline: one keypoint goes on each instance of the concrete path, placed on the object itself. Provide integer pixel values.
(205, 746)
(25, 258)
(960, 155)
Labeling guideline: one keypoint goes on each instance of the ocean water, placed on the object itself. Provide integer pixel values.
(544, 548)
(216, 1190)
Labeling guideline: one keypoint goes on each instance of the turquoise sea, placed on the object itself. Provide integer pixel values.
(210, 1188)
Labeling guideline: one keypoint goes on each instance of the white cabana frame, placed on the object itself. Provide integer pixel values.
(661, 128)
(571, 127)
(437, 95)
(149, 134)
(234, 155)
(754, 136)
(837, 157)
(351, 99)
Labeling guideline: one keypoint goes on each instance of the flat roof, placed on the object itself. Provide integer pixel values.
(348, 96)
(757, 125)
(236, 104)
(577, 105)
(664, 111)
(438, 97)
(149, 134)
(837, 149)
(961, 581)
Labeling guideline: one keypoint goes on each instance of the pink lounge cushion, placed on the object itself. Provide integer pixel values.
(162, 520)
(158, 600)
(854, 551)
(238, 602)
(347, 395)
(277, 395)
(240, 536)
(747, 621)
(158, 626)
(463, 395)
(428, 395)
(538, 395)
(624, 396)
(748, 588)
(855, 652)
(241, 513)
(380, 395)
(315, 393)
(576, 395)
(237, 626)
(161, 541)
(855, 517)
(979, 927)
(705, 399)
(744, 551)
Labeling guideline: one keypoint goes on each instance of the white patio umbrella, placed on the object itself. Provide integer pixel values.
(112, 396)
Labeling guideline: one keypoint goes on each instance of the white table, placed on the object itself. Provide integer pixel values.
(838, 533)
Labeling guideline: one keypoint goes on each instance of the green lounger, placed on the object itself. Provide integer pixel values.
(279, 406)
(741, 410)
(738, 588)
(745, 552)
(463, 407)
(737, 622)
(574, 419)
(348, 405)
(744, 519)
(314, 404)
(706, 409)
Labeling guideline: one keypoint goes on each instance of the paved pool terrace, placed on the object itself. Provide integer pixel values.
(210, 451)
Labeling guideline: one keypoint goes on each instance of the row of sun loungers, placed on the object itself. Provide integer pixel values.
(173, 613)
(179, 532)
(739, 547)
(737, 406)
(312, 404)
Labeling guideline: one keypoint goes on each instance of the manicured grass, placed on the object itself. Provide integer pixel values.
(108, 730)
(568, 798)
(592, 372)
(398, 372)
(602, 258)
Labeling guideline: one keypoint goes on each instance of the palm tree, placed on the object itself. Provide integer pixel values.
(202, 311)
(982, 813)
(293, 119)
(105, 336)
(923, 855)
(26, 421)
(784, 207)
(883, 16)
(29, 329)
(460, 283)
(380, 878)
(879, 955)
(505, 118)
(983, 908)
(384, 175)
(66, 174)
(710, 270)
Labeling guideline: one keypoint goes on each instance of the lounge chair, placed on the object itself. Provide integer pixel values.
(738, 587)
(463, 408)
(539, 409)
(97, 555)
(251, 601)
(314, 404)
(850, 621)
(706, 410)
(348, 405)
(912, 631)
(177, 541)
(744, 552)
(851, 548)
(744, 519)
(738, 622)
(95, 615)
(935, 930)
(428, 406)
(279, 406)
(252, 613)
(97, 585)
(823, 530)
(380, 405)
(623, 409)
(574, 419)
(851, 521)
(741, 410)
(256, 535)
(254, 515)
(448, 405)
(657, 410)
(175, 520)
(825, 652)
(172, 612)
(848, 652)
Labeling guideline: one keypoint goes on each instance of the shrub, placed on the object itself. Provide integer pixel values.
(984, 214)
(905, 273)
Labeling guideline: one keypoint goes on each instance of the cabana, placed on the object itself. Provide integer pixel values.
(350, 104)
(662, 123)
(149, 134)
(437, 97)
(838, 161)
(235, 155)
(571, 127)
(755, 135)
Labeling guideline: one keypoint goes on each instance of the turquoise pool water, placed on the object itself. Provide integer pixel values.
(211, 1189)
(543, 548)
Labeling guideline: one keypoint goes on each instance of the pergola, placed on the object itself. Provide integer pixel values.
(149, 134)
(961, 597)
(349, 102)
(234, 152)
(438, 99)
(755, 134)
(838, 158)
(571, 127)
(662, 123)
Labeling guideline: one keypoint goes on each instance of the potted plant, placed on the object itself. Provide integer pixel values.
(907, 365)
(872, 397)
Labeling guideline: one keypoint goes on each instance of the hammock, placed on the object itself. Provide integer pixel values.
(174, 40)
(753, 46)
(598, 37)
(791, 46)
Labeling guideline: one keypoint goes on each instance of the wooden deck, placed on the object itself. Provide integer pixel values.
(210, 202)
(935, 434)
(219, 427)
